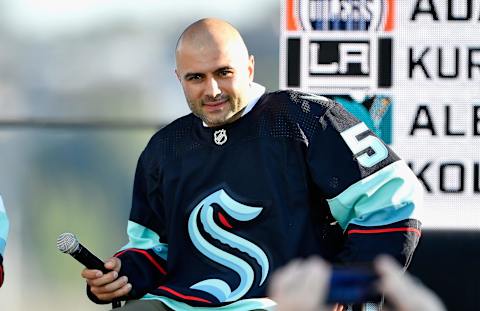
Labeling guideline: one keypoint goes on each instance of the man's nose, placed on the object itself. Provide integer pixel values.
(212, 89)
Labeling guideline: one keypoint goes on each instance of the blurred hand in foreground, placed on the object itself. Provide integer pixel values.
(302, 285)
(403, 291)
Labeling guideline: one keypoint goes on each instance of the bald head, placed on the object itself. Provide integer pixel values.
(215, 70)
(208, 34)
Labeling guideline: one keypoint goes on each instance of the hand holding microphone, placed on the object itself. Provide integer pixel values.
(103, 278)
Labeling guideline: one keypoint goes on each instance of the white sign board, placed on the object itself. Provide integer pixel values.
(410, 69)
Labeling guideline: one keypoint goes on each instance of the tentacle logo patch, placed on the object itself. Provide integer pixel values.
(216, 287)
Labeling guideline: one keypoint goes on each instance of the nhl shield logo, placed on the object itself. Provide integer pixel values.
(220, 137)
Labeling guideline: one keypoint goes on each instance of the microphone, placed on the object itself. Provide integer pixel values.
(67, 243)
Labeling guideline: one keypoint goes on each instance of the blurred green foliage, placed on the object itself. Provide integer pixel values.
(79, 181)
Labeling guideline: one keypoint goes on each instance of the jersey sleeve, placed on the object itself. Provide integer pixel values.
(4, 226)
(144, 256)
(371, 193)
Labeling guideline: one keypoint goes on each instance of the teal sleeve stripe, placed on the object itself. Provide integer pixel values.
(2, 246)
(144, 238)
(4, 226)
(385, 215)
(240, 305)
(389, 195)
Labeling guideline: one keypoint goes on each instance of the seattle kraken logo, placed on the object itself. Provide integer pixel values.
(219, 288)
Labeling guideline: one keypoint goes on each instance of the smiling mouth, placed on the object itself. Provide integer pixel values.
(215, 105)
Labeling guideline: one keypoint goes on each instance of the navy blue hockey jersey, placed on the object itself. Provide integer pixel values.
(216, 210)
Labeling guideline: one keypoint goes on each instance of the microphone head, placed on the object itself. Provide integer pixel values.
(67, 243)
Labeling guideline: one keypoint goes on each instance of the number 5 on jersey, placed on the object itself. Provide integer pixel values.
(380, 152)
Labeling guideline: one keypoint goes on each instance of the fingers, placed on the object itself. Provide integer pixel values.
(386, 265)
(316, 276)
(283, 278)
(122, 291)
(107, 286)
(391, 281)
(113, 263)
(91, 274)
(402, 290)
(104, 279)
(337, 307)
(110, 291)
(112, 287)
(301, 285)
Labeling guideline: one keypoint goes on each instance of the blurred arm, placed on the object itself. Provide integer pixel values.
(4, 226)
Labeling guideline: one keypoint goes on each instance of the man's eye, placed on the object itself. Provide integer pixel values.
(194, 77)
(225, 73)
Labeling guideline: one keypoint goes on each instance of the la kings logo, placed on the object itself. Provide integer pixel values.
(204, 212)
(342, 15)
(342, 49)
(337, 44)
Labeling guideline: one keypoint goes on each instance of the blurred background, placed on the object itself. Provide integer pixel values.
(83, 86)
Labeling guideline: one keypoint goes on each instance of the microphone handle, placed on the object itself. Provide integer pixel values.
(89, 260)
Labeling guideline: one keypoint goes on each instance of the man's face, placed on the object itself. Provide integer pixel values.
(215, 80)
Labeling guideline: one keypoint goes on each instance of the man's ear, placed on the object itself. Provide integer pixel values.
(251, 67)
(178, 76)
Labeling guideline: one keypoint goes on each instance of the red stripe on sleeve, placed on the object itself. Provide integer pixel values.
(386, 230)
(192, 298)
(146, 254)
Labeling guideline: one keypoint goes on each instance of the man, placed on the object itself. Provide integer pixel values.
(247, 182)
(3, 237)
